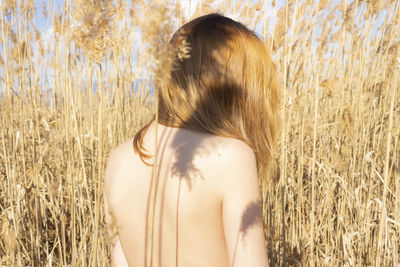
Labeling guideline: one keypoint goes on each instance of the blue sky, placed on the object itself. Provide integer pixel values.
(43, 24)
(40, 21)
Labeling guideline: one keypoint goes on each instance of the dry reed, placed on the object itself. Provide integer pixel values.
(67, 101)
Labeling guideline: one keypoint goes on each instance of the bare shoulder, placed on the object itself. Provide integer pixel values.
(120, 159)
(241, 206)
(232, 149)
(121, 155)
(233, 160)
(233, 153)
(122, 151)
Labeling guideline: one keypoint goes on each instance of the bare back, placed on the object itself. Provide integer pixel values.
(207, 202)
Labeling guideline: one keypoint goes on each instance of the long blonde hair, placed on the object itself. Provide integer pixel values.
(225, 85)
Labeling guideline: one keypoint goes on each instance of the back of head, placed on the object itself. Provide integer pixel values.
(221, 81)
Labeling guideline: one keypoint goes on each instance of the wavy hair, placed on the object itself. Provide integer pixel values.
(225, 85)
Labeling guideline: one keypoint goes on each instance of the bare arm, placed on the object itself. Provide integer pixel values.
(117, 254)
(242, 215)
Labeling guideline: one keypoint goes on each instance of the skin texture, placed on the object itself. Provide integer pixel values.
(207, 202)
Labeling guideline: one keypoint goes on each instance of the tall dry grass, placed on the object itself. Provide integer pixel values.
(334, 198)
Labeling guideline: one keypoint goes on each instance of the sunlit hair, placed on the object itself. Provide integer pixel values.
(225, 85)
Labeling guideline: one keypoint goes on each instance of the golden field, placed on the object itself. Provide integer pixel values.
(333, 197)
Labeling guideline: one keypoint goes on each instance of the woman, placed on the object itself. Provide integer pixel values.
(217, 125)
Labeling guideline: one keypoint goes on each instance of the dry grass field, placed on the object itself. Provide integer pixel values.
(333, 198)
